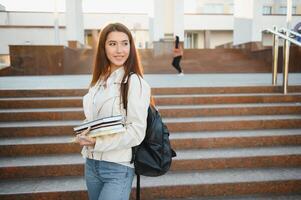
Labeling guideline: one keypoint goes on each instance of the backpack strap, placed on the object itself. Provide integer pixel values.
(138, 187)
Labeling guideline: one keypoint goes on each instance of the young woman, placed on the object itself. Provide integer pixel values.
(177, 56)
(108, 171)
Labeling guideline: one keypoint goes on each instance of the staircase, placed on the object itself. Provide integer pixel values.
(232, 143)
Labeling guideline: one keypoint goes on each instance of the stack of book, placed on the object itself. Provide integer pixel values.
(103, 126)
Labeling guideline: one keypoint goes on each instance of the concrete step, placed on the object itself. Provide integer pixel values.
(193, 159)
(44, 93)
(28, 146)
(241, 142)
(38, 146)
(48, 128)
(224, 182)
(225, 90)
(244, 197)
(260, 157)
(41, 166)
(42, 114)
(230, 109)
(234, 133)
(195, 99)
(238, 139)
(233, 123)
(41, 102)
(225, 99)
(172, 185)
(155, 91)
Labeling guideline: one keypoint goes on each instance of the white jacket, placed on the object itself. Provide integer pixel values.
(104, 101)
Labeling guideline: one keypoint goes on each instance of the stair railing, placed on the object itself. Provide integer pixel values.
(289, 37)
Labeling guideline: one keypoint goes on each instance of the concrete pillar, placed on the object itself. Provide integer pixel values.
(207, 39)
(56, 24)
(158, 21)
(247, 21)
(178, 17)
(168, 21)
(74, 21)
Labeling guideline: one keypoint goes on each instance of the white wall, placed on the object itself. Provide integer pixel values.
(245, 31)
(267, 39)
(220, 38)
(249, 21)
(91, 20)
(33, 36)
(244, 16)
(30, 18)
(2, 7)
(40, 25)
(208, 22)
(98, 20)
(141, 37)
(216, 38)
(280, 21)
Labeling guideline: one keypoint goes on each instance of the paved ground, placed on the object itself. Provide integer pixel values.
(155, 80)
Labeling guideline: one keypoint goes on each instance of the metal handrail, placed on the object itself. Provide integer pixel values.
(283, 36)
(290, 31)
(276, 35)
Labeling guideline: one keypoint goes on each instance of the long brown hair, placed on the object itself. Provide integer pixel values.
(102, 64)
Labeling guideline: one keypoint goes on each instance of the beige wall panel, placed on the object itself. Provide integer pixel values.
(220, 38)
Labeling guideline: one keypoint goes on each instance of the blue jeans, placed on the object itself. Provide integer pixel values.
(107, 180)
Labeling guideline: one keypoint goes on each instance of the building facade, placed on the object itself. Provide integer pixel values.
(205, 23)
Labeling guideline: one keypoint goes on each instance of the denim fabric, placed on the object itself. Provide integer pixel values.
(108, 180)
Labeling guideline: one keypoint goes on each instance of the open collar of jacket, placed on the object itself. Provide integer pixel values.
(114, 78)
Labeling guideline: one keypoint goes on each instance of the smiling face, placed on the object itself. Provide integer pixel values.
(117, 48)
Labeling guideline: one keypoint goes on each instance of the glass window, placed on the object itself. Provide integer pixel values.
(267, 10)
(294, 11)
(282, 10)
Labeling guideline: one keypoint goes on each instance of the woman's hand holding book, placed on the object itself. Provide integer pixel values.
(84, 140)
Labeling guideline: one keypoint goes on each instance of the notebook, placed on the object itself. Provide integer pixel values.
(100, 123)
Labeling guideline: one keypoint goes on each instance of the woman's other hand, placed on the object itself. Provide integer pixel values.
(85, 140)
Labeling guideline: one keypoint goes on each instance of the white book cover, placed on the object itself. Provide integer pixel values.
(99, 122)
(103, 126)
(101, 132)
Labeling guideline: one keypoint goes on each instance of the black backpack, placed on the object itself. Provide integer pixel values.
(153, 156)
